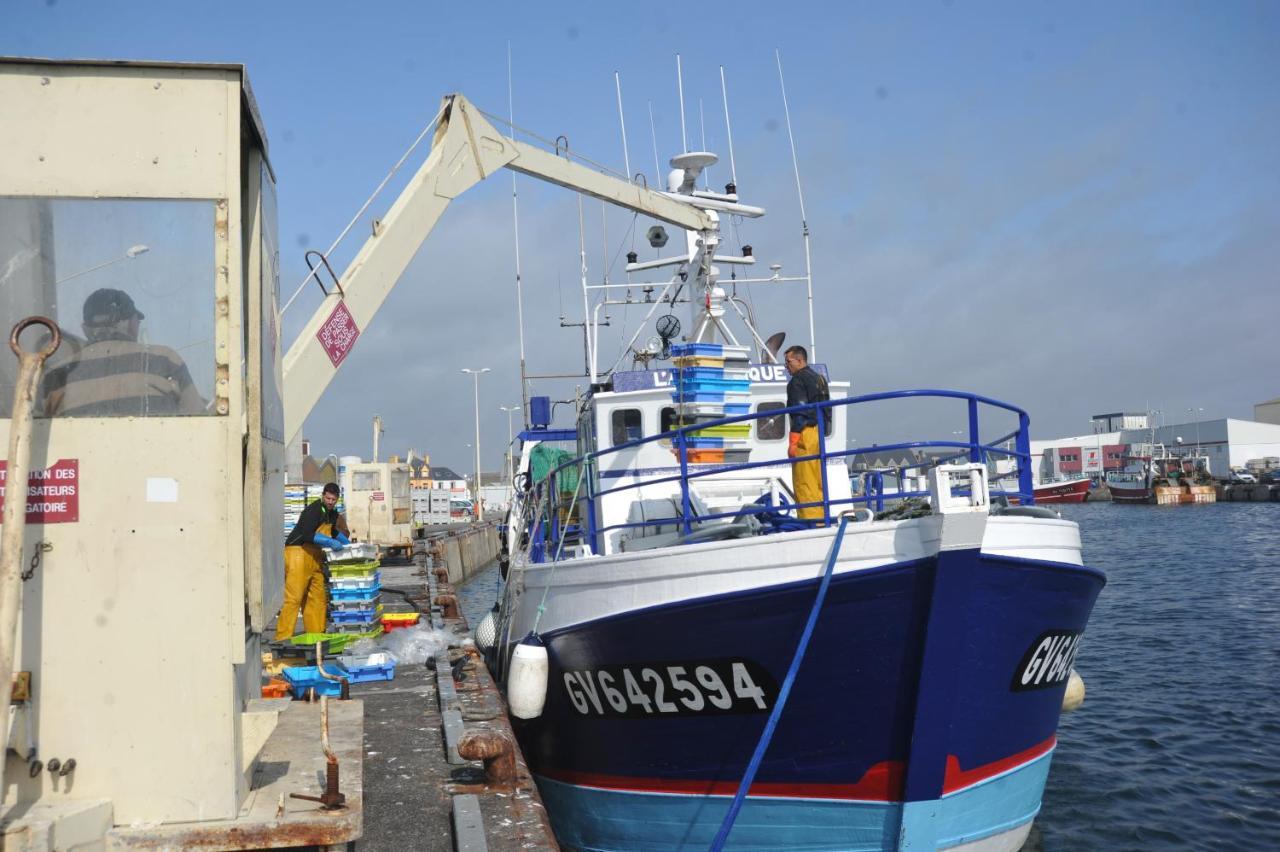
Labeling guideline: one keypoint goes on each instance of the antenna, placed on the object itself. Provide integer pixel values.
(626, 156)
(586, 310)
(684, 137)
(724, 95)
(804, 221)
(706, 172)
(515, 219)
(653, 134)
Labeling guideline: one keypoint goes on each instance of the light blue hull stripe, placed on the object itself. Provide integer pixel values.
(652, 821)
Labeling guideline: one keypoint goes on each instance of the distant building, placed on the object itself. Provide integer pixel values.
(1226, 442)
(446, 478)
(1121, 420)
(301, 467)
(1267, 412)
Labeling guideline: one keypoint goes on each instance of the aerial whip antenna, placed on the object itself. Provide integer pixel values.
(684, 137)
(733, 167)
(626, 156)
(706, 172)
(804, 221)
(515, 219)
(653, 134)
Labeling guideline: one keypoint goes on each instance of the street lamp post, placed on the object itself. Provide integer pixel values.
(1197, 412)
(475, 375)
(511, 474)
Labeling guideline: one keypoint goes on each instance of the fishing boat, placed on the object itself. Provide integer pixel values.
(1160, 477)
(692, 665)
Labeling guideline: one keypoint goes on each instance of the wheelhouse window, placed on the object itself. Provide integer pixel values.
(626, 425)
(773, 427)
(667, 420)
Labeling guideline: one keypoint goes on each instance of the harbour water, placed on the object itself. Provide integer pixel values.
(1178, 743)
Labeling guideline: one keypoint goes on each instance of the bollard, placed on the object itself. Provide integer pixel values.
(495, 749)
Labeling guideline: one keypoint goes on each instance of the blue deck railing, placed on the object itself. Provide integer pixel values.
(559, 515)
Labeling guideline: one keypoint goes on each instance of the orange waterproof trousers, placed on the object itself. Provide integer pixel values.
(806, 476)
(303, 590)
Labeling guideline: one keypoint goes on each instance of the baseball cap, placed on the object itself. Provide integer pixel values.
(107, 306)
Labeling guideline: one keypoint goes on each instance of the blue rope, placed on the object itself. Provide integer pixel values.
(722, 836)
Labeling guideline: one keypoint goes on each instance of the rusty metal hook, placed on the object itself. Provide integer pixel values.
(566, 145)
(55, 338)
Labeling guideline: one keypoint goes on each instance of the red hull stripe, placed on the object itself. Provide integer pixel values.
(957, 778)
(881, 783)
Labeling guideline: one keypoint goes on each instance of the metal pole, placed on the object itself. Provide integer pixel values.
(477, 513)
(30, 365)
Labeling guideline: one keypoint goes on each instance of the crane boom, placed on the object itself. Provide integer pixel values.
(465, 149)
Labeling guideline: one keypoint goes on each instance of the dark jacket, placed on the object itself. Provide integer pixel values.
(806, 386)
(309, 521)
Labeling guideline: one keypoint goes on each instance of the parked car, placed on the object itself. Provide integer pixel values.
(1243, 476)
(460, 510)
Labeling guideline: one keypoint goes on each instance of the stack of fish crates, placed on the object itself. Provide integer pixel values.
(298, 496)
(711, 382)
(355, 590)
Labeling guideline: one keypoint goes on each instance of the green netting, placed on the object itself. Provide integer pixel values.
(545, 459)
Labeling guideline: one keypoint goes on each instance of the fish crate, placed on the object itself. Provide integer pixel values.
(712, 385)
(369, 581)
(357, 552)
(399, 620)
(725, 430)
(338, 595)
(353, 570)
(719, 456)
(277, 687)
(369, 668)
(698, 361)
(302, 678)
(357, 615)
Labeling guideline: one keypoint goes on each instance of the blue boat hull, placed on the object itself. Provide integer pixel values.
(924, 714)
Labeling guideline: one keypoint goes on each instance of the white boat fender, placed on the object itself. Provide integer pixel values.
(527, 680)
(1074, 696)
(487, 632)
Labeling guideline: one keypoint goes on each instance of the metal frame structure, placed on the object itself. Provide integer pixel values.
(547, 527)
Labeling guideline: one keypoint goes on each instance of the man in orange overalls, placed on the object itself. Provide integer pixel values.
(304, 566)
(805, 386)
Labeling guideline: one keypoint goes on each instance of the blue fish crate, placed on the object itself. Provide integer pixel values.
(733, 409)
(682, 349)
(712, 443)
(687, 373)
(362, 615)
(696, 396)
(356, 595)
(715, 385)
(302, 678)
(370, 668)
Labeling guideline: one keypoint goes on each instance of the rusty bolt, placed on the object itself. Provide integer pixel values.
(495, 749)
(449, 603)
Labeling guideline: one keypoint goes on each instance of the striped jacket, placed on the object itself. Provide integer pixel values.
(121, 378)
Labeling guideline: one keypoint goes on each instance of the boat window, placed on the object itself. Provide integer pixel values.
(667, 420)
(770, 428)
(626, 425)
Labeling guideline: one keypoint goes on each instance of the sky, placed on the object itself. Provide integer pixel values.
(1071, 208)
